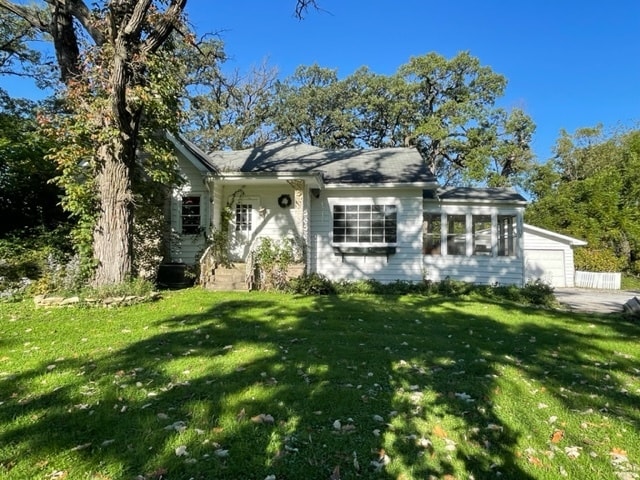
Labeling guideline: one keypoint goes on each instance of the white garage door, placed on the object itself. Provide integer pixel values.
(547, 265)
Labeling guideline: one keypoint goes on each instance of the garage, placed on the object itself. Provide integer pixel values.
(548, 256)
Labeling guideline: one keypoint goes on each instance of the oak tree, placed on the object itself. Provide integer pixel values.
(118, 96)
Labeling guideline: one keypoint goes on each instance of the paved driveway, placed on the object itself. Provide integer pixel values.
(594, 301)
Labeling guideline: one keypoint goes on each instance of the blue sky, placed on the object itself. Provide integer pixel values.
(569, 63)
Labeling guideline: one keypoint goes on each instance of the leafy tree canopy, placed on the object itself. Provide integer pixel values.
(591, 190)
(445, 107)
(28, 200)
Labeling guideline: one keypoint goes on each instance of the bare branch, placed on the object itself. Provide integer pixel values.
(302, 6)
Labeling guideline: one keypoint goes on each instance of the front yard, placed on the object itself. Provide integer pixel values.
(270, 386)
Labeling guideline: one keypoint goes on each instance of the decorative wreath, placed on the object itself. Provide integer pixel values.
(284, 201)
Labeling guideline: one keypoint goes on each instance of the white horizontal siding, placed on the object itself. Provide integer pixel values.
(187, 248)
(268, 218)
(483, 270)
(405, 264)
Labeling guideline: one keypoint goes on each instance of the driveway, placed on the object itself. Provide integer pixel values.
(593, 301)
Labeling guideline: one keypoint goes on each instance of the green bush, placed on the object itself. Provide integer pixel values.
(598, 260)
(311, 284)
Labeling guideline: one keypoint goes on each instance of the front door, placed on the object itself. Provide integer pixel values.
(243, 227)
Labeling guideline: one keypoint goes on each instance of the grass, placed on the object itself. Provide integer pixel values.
(252, 386)
(630, 282)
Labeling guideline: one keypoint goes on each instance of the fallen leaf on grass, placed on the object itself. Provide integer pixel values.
(263, 418)
(572, 452)
(81, 447)
(335, 475)
(438, 431)
(557, 436)
(382, 460)
(535, 461)
(221, 452)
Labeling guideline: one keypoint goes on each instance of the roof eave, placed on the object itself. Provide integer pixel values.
(476, 201)
(314, 179)
(381, 185)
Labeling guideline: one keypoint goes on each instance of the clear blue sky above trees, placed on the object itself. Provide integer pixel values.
(570, 63)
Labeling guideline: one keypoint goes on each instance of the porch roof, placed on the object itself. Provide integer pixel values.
(475, 194)
(347, 166)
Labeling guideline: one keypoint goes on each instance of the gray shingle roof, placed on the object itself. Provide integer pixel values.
(385, 165)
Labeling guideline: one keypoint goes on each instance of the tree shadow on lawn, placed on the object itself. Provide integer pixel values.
(412, 381)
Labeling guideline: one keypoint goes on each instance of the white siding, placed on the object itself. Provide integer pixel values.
(405, 264)
(483, 270)
(268, 219)
(542, 254)
(187, 248)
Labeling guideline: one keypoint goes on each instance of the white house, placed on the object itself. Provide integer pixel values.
(358, 214)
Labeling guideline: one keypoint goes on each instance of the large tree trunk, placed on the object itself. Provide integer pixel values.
(112, 238)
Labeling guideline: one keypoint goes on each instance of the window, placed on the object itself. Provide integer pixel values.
(481, 225)
(432, 234)
(364, 223)
(456, 235)
(190, 215)
(506, 235)
(243, 217)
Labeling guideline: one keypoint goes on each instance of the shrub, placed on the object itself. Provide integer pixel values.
(598, 260)
(311, 284)
(538, 293)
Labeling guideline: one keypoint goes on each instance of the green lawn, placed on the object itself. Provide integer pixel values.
(253, 386)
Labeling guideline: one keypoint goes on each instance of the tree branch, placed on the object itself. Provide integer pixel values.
(81, 12)
(165, 27)
(136, 21)
(31, 17)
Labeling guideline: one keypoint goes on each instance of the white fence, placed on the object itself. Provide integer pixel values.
(606, 281)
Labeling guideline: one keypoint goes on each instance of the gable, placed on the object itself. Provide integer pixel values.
(551, 237)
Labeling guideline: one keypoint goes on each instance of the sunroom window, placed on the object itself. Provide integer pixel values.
(456, 235)
(190, 215)
(432, 234)
(506, 235)
(481, 225)
(364, 224)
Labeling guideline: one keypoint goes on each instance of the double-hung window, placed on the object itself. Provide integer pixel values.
(365, 224)
(190, 215)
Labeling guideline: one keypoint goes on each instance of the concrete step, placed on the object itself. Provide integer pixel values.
(230, 278)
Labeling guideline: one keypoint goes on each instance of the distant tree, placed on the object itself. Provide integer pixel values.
(224, 110)
(446, 108)
(314, 107)
(591, 190)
